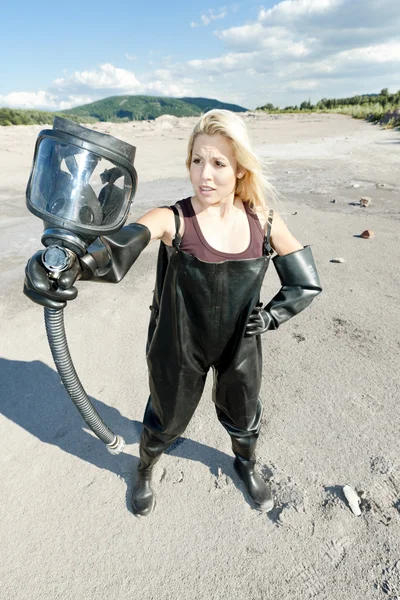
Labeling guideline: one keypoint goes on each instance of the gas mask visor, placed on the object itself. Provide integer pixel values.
(82, 181)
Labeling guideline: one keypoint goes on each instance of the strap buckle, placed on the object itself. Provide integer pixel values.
(268, 249)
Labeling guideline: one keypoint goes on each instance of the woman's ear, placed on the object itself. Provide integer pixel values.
(239, 174)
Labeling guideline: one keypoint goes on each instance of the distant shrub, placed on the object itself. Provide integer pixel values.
(383, 108)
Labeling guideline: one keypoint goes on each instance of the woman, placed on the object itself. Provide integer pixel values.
(215, 249)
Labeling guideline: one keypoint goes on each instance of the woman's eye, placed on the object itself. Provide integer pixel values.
(219, 164)
(196, 160)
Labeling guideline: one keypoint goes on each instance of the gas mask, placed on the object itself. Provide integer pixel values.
(81, 185)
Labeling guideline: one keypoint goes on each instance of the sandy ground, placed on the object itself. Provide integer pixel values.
(330, 390)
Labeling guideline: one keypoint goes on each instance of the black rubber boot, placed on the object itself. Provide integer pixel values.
(142, 498)
(258, 489)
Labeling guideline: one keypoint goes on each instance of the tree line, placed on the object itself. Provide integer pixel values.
(383, 107)
(13, 116)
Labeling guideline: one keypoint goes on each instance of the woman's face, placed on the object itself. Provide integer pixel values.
(213, 169)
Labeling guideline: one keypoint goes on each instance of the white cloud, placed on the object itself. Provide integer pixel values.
(213, 15)
(175, 90)
(340, 41)
(38, 99)
(105, 77)
(322, 47)
(296, 8)
(247, 35)
(388, 52)
(303, 84)
(42, 100)
(220, 66)
(131, 57)
(83, 87)
(72, 101)
(163, 74)
(277, 39)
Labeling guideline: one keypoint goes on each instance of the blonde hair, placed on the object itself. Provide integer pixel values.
(253, 187)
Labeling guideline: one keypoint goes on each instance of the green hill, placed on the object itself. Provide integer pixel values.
(137, 108)
(119, 109)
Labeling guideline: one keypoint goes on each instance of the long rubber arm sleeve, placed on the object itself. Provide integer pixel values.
(110, 258)
(300, 285)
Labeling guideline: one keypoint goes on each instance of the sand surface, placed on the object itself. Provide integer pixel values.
(330, 391)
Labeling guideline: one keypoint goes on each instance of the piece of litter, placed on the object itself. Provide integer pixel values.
(338, 260)
(368, 234)
(365, 201)
(353, 499)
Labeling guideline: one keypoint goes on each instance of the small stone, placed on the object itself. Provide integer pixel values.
(338, 260)
(353, 499)
(355, 185)
(333, 201)
(365, 201)
(368, 234)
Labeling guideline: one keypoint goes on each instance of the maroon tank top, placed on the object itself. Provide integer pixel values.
(194, 243)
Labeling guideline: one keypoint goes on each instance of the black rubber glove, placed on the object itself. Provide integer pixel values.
(258, 322)
(107, 260)
(300, 284)
(52, 293)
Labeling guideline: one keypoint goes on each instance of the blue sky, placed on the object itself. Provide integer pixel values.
(61, 55)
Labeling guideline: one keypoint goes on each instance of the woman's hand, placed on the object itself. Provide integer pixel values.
(51, 293)
(258, 322)
(300, 284)
(106, 263)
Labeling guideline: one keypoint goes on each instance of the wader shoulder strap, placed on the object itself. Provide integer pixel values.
(176, 242)
(268, 250)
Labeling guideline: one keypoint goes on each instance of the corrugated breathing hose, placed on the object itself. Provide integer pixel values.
(54, 321)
